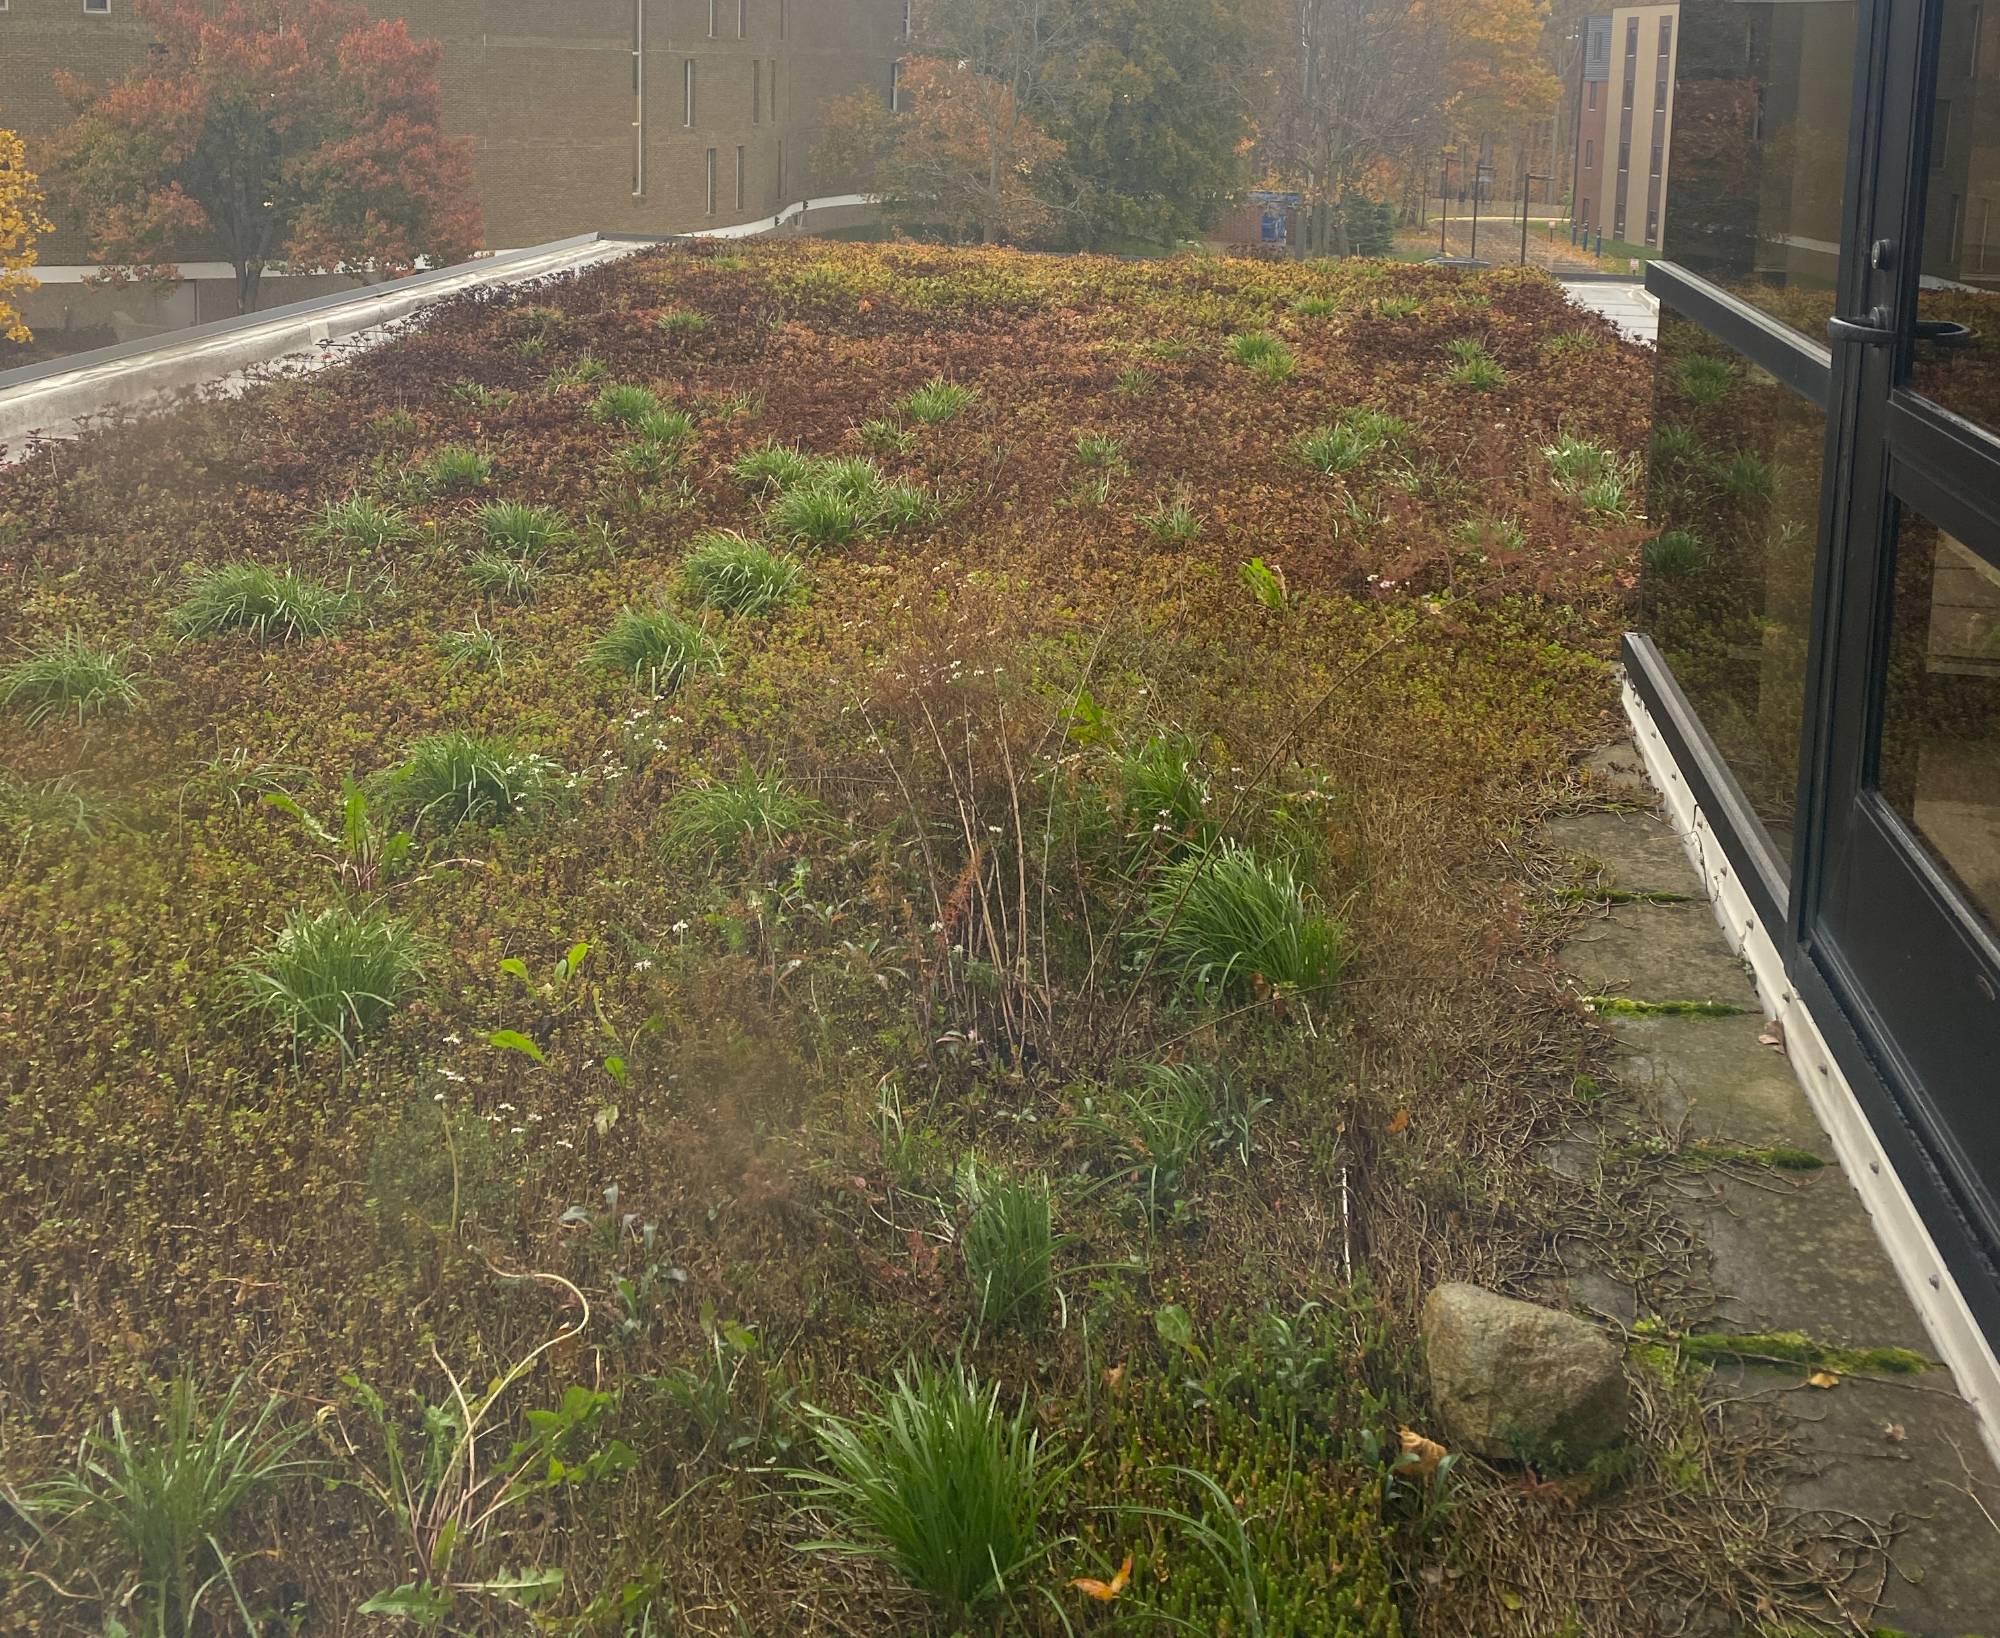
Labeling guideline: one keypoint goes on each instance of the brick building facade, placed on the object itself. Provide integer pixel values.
(637, 116)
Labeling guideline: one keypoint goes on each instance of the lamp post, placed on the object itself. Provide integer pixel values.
(1444, 194)
(1528, 177)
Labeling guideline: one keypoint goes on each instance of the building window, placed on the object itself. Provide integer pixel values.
(774, 91)
(1593, 93)
(1589, 153)
(756, 92)
(781, 168)
(896, 87)
(1586, 214)
(711, 181)
(712, 5)
(784, 18)
(906, 18)
(97, 8)
(742, 19)
(742, 175)
(687, 93)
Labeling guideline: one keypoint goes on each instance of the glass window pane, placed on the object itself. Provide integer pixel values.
(1939, 760)
(1726, 584)
(1761, 112)
(1961, 260)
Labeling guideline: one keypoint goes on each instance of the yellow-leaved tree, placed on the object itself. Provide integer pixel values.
(22, 225)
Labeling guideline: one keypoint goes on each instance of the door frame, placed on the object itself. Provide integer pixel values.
(1885, 177)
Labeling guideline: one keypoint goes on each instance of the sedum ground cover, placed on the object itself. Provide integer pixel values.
(818, 940)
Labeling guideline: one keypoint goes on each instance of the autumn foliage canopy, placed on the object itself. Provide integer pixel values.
(21, 225)
(299, 131)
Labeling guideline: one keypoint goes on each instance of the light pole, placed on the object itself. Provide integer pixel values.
(1444, 195)
(1528, 177)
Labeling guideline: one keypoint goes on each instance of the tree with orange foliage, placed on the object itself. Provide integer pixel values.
(296, 131)
(21, 225)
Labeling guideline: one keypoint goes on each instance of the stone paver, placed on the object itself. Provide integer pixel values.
(1788, 1250)
(1626, 305)
(1657, 952)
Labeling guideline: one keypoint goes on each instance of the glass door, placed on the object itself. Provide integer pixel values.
(1901, 912)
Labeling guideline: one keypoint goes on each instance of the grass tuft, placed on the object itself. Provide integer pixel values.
(361, 524)
(1473, 366)
(657, 649)
(938, 401)
(725, 571)
(261, 600)
(66, 675)
(1009, 1245)
(752, 814)
(626, 405)
(164, 1497)
(937, 1481)
(457, 778)
(335, 976)
(1227, 919)
(453, 468)
(520, 530)
(501, 575)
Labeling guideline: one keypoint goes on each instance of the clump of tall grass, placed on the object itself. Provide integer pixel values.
(1224, 919)
(1574, 462)
(335, 976)
(1099, 451)
(1747, 478)
(1316, 307)
(1674, 554)
(520, 530)
(681, 322)
(1265, 353)
(884, 437)
(1163, 794)
(775, 466)
(452, 467)
(824, 517)
(750, 814)
(1174, 523)
(657, 649)
(475, 647)
(937, 1481)
(164, 1497)
(1009, 1246)
(1703, 379)
(64, 676)
(725, 571)
(504, 576)
(1163, 1126)
(626, 405)
(938, 401)
(360, 523)
(258, 599)
(1473, 366)
(456, 778)
(584, 370)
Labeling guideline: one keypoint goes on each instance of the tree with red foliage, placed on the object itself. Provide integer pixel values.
(297, 131)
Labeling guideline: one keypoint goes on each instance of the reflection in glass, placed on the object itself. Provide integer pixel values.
(1761, 113)
(1726, 584)
(1940, 748)
(1961, 263)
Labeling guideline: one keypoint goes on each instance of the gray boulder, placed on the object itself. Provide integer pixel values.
(1514, 1380)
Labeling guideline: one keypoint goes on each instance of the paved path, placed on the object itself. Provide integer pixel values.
(1625, 304)
(1788, 1250)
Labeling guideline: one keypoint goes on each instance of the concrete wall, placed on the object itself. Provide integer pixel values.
(546, 93)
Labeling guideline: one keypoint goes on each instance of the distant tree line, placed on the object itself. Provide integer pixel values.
(1109, 124)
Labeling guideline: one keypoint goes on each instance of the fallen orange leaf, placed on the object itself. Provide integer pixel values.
(1105, 1591)
(1397, 1121)
(1822, 1379)
(1428, 1452)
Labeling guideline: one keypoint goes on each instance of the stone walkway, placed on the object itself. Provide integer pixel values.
(1626, 304)
(1790, 1250)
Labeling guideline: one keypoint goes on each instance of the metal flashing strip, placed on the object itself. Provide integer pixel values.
(1926, 1279)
